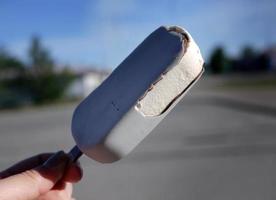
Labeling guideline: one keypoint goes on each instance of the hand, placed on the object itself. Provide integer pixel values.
(45, 177)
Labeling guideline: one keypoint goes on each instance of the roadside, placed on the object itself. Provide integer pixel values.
(254, 91)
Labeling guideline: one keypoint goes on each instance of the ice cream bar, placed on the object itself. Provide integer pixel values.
(138, 94)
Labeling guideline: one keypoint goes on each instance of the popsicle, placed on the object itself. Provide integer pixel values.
(109, 123)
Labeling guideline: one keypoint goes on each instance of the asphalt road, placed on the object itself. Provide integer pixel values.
(205, 149)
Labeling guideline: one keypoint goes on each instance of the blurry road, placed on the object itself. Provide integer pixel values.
(209, 147)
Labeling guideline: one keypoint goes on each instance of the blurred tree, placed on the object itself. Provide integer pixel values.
(45, 84)
(251, 60)
(41, 61)
(9, 62)
(49, 87)
(263, 62)
(218, 61)
(247, 59)
(10, 69)
(248, 53)
(39, 83)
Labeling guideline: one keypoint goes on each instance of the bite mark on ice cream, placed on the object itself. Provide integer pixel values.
(172, 83)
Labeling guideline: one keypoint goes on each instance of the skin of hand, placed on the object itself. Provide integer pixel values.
(46, 176)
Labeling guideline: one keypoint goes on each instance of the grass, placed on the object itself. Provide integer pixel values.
(250, 84)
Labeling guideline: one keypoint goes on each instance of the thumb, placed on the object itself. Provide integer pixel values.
(35, 182)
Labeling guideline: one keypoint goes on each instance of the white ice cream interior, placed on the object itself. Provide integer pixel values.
(172, 83)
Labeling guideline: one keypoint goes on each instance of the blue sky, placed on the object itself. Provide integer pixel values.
(104, 32)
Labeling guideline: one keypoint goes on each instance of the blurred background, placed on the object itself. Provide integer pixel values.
(218, 143)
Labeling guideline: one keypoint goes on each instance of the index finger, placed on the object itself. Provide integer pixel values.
(25, 165)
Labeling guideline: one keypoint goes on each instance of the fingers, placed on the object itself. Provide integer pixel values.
(55, 194)
(73, 173)
(25, 165)
(34, 177)
(35, 182)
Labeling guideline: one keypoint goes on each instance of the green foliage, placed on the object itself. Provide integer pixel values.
(8, 62)
(40, 59)
(42, 82)
(10, 67)
(38, 83)
(218, 62)
(252, 60)
(248, 53)
(10, 99)
(249, 60)
(49, 86)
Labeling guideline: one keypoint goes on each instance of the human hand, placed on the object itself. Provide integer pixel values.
(44, 177)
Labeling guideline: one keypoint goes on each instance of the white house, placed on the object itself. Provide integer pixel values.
(86, 82)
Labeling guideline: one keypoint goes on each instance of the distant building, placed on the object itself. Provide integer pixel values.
(86, 82)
